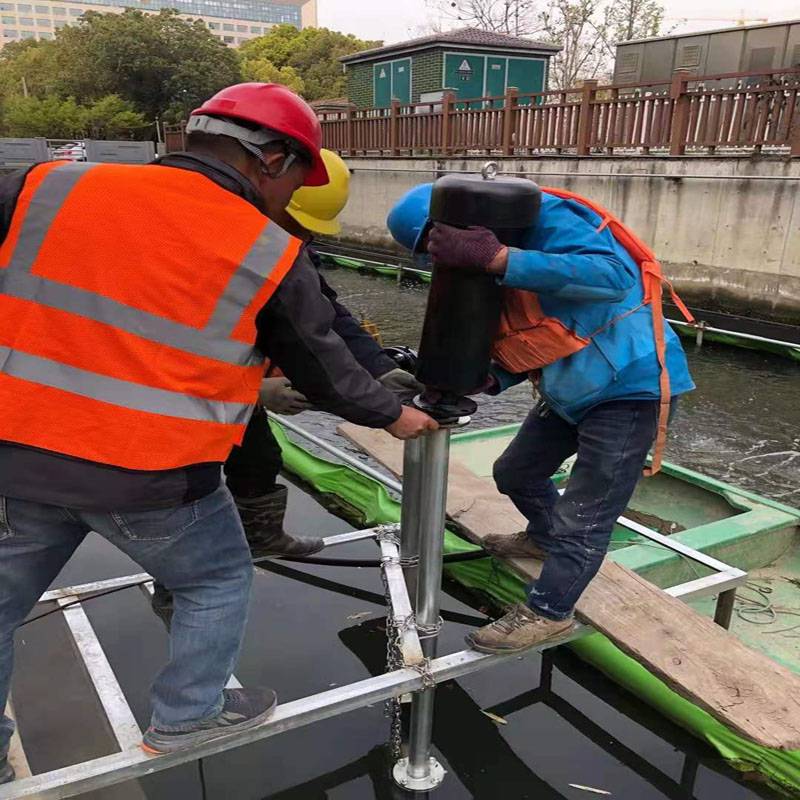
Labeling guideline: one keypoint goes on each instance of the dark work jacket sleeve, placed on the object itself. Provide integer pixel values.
(295, 331)
(366, 350)
(10, 187)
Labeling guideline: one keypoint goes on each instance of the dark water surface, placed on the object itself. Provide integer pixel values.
(313, 628)
(741, 424)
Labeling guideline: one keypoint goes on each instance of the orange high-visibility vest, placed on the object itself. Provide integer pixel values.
(528, 340)
(128, 298)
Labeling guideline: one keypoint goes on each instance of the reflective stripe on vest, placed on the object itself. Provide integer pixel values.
(190, 385)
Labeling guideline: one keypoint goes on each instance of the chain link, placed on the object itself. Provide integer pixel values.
(394, 656)
(428, 631)
(424, 669)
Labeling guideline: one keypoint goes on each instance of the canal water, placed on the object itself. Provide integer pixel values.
(501, 734)
(741, 424)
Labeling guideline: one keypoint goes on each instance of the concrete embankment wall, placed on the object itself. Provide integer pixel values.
(731, 243)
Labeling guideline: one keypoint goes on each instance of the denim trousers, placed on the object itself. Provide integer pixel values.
(197, 550)
(574, 529)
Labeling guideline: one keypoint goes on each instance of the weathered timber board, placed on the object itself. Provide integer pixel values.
(743, 689)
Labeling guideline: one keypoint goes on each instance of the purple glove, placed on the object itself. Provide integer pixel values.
(473, 247)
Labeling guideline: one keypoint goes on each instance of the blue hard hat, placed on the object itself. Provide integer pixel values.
(408, 219)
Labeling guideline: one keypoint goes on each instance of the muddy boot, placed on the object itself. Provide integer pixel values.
(518, 630)
(512, 545)
(262, 518)
(161, 603)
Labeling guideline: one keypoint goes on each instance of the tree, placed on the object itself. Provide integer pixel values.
(515, 17)
(47, 117)
(586, 30)
(578, 27)
(259, 69)
(28, 68)
(633, 19)
(111, 117)
(312, 53)
(53, 118)
(164, 65)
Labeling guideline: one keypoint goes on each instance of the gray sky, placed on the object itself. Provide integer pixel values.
(395, 20)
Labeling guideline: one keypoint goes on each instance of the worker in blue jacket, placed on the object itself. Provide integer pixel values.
(598, 389)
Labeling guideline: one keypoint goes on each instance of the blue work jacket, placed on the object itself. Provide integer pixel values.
(586, 279)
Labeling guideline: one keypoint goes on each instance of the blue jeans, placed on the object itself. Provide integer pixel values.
(574, 529)
(197, 550)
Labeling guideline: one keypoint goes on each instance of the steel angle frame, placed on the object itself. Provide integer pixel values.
(132, 762)
(416, 674)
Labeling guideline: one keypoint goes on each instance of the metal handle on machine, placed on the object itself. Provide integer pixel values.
(489, 170)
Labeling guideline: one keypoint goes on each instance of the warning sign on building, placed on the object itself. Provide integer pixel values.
(382, 73)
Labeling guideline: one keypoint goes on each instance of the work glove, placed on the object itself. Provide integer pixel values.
(469, 248)
(277, 395)
(402, 384)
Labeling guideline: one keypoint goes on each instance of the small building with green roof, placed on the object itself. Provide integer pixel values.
(468, 62)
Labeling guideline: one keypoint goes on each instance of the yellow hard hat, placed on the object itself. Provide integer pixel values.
(316, 208)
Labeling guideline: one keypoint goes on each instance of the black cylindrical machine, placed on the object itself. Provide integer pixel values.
(464, 306)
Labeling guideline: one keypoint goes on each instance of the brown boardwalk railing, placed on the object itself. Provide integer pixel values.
(731, 113)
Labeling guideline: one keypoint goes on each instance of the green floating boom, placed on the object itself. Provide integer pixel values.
(781, 769)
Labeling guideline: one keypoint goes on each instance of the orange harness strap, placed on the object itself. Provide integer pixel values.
(653, 282)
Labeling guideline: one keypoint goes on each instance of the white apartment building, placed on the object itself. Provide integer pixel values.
(233, 21)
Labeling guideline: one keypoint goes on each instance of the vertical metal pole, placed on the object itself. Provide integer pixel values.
(409, 513)
(420, 771)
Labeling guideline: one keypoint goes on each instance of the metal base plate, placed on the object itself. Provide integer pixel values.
(435, 776)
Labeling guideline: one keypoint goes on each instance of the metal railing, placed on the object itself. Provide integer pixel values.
(729, 113)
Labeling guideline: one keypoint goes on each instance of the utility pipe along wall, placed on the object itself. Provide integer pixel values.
(727, 230)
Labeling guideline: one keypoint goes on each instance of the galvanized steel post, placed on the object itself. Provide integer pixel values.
(420, 771)
(409, 513)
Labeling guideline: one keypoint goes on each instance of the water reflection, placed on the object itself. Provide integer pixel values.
(741, 425)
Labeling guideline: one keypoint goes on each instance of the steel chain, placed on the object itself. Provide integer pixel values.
(394, 658)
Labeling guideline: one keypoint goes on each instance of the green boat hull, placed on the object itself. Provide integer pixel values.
(738, 527)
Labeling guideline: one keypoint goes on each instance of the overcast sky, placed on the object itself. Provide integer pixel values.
(395, 20)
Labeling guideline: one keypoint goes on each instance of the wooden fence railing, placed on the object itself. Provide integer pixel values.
(728, 113)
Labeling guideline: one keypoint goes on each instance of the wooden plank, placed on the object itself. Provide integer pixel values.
(743, 689)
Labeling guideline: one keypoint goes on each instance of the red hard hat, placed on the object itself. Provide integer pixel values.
(273, 106)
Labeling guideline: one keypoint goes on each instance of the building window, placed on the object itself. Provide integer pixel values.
(28, 34)
(42, 9)
(214, 26)
(75, 12)
(255, 29)
(26, 20)
(228, 27)
(228, 39)
(45, 35)
(9, 33)
(6, 6)
(44, 23)
(60, 23)
(241, 28)
(60, 12)
(9, 20)
(23, 7)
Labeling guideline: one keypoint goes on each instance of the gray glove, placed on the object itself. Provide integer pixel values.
(402, 384)
(278, 396)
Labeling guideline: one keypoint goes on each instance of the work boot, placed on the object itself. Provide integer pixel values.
(262, 518)
(518, 630)
(512, 545)
(243, 709)
(6, 771)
